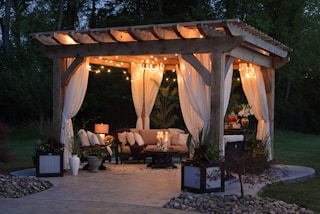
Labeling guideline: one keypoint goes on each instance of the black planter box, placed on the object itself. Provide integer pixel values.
(201, 178)
(49, 164)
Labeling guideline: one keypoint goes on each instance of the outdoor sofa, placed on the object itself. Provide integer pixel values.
(132, 143)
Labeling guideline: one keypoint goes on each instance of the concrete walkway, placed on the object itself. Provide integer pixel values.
(127, 188)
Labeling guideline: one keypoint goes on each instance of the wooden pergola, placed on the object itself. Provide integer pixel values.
(160, 43)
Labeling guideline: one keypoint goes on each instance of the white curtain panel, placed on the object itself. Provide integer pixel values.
(194, 97)
(193, 122)
(227, 84)
(75, 93)
(137, 76)
(197, 92)
(254, 89)
(152, 78)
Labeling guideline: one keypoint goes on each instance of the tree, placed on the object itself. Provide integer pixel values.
(5, 29)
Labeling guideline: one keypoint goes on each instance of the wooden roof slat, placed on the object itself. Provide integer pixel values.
(64, 39)
(209, 31)
(141, 35)
(102, 36)
(167, 38)
(121, 36)
(188, 33)
(46, 39)
(82, 38)
(163, 33)
(257, 41)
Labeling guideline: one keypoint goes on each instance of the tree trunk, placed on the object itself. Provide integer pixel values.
(59, 25)
(5, 28)
(287, 91)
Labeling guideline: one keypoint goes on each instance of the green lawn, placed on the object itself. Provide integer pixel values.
(20, 142)
(290, 148)
(297, 149)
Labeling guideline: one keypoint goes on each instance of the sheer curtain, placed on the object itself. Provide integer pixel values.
(193, 122)
(75, 93)
(137, 85)
(153, 79)
(194, 96)
(227, 83)
(254, 89)
(145, 86)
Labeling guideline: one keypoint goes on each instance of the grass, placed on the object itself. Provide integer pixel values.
(20, 142)
(297, 149)
(290, 148)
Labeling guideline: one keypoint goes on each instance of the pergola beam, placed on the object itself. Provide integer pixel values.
(207, 45)
(66, 76)
(198, 66)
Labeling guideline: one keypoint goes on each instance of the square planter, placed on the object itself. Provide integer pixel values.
(49, 164)
(202, 178)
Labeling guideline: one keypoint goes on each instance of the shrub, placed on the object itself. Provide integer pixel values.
(5, 156)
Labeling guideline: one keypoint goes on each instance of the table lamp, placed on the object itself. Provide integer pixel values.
(101, 129)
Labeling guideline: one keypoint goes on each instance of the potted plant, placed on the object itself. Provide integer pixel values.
(203, 173)
(95, 155)
(48, 157)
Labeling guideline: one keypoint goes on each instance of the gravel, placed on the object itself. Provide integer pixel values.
(19, 186)
(211, 203)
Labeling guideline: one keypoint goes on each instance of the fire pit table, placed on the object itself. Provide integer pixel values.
(161, 159)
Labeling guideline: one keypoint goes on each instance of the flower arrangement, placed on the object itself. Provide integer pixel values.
(109, 139)
(245, 110)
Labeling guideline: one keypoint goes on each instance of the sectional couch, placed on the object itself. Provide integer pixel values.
(134, 142)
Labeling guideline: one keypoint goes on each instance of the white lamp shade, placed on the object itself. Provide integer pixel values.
(101, 128)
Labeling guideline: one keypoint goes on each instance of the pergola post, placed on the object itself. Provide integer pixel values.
(270, 99)
(59, 65)
(217, 98)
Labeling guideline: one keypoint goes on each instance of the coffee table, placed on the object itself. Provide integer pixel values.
(161, 159)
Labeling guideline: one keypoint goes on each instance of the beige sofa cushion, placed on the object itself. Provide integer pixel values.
(126, 149)
(149, 135)
(138, 139)
(123, 138)
(130, 138)
(174, 139)
(83, 136)
(93, 140)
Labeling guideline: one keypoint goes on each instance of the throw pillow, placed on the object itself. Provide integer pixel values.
(93, 139)
(149, 135)
(109, 150)
(138, 139)
(174, 139)
(183, 138)
(130, 138)
(123, 138)
(82, 134)
(101, 141)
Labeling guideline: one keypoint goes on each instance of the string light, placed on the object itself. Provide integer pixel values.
(249, 71)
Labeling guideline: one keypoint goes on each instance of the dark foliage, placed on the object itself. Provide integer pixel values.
(5, 156)
(244, 163)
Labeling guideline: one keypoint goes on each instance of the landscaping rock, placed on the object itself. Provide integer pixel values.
(211, 203)
(18, 186)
